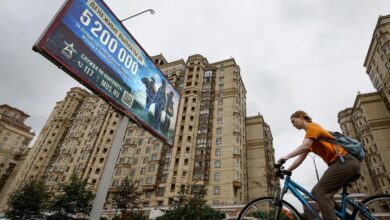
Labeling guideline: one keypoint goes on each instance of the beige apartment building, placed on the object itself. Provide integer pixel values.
(15, 136)
(369, 122)
(377, 61)
(216, 147)
(369, 118)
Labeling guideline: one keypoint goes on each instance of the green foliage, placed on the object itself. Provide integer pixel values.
(103, 218)
(29, 201)
(190, 204)
(74, 198)
(127, 199)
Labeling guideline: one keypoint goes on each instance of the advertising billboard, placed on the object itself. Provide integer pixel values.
(88, 42)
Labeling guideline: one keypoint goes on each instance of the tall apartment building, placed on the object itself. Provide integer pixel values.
(369, 119)
(15, 137)
(75, 139)
(211, 149)
(261, 179)
(216, 146)
(377, 61)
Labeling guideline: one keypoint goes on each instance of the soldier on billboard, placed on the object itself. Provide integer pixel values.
(168, 112)
(150, 91)
(160, 101)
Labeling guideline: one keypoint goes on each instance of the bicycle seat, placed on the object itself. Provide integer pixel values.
(353, 178)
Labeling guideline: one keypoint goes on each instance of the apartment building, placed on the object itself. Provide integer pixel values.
(213, 140)
(377, 61)
(369, 121)
(216, 146)
(15, 136)
(74, 140)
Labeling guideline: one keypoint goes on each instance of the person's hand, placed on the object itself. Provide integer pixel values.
(282, 160)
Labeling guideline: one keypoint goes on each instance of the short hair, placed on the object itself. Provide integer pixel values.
(304, 115)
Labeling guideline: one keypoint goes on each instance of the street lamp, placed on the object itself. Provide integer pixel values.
(150, 10)
(315, 166)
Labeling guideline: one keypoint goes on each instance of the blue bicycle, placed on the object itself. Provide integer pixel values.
(275, 208)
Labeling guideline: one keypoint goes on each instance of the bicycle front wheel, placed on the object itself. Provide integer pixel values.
(376, 207)
(264, 209)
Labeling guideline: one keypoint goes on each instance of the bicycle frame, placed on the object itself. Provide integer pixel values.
(295, 188)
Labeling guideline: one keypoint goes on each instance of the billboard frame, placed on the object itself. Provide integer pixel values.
(40, 48)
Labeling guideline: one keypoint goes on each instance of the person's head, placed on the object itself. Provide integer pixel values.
(299, 119)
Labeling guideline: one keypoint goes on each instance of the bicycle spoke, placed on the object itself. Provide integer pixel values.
(264, 209)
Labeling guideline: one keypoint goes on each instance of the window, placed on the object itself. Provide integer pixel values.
(149, 180)
(135, 161)
(138, 151)
(217, 176)
(219, 121)
(218, 141)
(154, 157)
(216, 190)
(219, 130)
(219, 112)
(147, 150)
(208, 73)
(156, 147)
(220, 102)
(118, 171)
(146, 160)
(132, 172)
(143, 170)
(151, 168)
(217, 164)
(140, 142)
(220, 86)
(218, 152)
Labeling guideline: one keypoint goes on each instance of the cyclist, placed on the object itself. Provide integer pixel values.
(338, 172)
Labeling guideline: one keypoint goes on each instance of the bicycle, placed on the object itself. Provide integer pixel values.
(375, 207)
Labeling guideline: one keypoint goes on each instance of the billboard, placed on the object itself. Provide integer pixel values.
(88, 42)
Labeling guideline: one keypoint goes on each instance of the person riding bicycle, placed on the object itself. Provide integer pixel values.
(338, 172)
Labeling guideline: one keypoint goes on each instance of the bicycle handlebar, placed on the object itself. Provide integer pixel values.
(281, 172)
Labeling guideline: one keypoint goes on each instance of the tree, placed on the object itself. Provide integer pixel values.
(29, 201)
(126, 197)
(190, 204)
(74, 199)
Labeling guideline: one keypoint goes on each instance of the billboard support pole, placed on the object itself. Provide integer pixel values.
(108, 170)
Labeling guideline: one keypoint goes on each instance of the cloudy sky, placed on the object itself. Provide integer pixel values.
(302, 54)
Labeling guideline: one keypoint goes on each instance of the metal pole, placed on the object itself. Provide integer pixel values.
(151, 12)
(108, 170)
(315, 166)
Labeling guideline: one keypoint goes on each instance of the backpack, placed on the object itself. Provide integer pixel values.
(351, 145)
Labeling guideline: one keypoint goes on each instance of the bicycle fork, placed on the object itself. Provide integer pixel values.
(278, 202)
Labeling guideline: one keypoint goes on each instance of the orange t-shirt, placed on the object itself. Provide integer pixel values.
(323, 149)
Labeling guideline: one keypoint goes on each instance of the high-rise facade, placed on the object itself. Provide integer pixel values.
(213, 140)
(369, 121)
(369, 118)
(15, 136)
(377, 61)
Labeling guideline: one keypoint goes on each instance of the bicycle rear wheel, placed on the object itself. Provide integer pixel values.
(377, 206)
(264, 209)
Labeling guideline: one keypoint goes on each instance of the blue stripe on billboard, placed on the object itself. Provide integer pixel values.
(99, 51)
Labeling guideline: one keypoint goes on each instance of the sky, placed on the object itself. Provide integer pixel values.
(302, 54)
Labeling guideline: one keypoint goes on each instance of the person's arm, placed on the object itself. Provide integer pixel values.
(302, 149)
(298, 161)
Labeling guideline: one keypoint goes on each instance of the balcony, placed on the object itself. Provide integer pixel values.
(236, 156)
(148, 187)
(237, 184)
